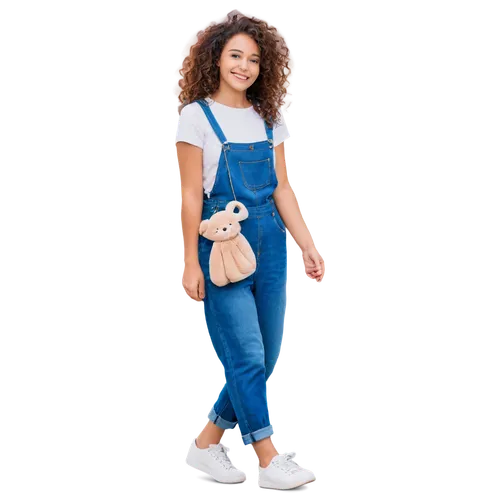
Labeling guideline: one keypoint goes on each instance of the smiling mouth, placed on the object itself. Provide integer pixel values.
(240, 77)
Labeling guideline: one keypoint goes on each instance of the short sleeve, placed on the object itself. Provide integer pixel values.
(280, 131)
(189, 128)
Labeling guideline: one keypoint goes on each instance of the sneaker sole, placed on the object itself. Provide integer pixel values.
(264, 485)
(202, 469)
(209, 479)
(297, 488)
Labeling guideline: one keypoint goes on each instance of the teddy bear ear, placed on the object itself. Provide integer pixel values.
(203, 226)
(242, 214)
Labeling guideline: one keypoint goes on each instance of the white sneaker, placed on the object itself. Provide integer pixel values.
(214, 461)
(284, 474)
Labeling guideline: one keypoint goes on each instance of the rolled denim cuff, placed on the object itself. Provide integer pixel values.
(219, 421)
(251, 437)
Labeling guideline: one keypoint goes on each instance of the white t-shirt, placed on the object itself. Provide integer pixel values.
(237, 124)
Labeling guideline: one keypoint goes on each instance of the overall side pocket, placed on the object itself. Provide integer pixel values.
(279, 221)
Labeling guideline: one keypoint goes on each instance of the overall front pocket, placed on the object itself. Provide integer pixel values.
(256, 174)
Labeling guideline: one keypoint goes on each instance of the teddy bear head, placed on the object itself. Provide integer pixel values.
(225, 224)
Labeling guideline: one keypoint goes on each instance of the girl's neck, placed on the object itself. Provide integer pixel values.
(238, 101)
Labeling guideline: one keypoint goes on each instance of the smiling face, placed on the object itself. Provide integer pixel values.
(239, 63)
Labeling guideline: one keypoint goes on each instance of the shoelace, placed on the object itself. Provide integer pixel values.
(286, 463)
(219, 451)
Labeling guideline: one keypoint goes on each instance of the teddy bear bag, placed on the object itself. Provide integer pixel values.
(232, 258)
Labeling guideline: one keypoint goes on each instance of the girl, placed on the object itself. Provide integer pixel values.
(230, 147)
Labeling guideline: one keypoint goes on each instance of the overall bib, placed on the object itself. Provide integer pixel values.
(245, 319)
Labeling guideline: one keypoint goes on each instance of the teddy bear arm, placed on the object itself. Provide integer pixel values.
(230, 264)
(216, 266)
(244, 254)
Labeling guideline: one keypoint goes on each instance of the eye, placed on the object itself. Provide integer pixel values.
(230, 224)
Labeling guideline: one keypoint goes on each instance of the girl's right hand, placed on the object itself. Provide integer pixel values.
(193, 281)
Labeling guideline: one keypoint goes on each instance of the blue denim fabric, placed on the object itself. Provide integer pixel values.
(245, 319)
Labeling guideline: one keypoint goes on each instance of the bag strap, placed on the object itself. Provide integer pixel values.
(225, 146)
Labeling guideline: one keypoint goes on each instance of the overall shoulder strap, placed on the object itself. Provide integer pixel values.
(269, 132)
(211, 118)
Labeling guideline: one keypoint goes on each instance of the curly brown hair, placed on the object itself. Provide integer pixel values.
(201, 75)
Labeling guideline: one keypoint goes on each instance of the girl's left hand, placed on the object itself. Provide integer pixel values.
(314, 264)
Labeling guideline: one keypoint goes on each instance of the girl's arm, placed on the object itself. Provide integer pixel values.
(287, 204)
(190, 164)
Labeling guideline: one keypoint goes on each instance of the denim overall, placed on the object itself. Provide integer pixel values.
(245, 319)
